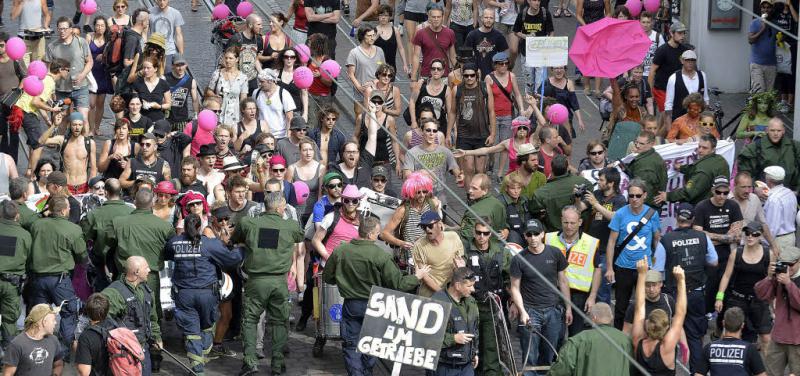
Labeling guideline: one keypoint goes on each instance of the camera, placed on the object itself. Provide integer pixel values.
(581, 190)
(781, 267)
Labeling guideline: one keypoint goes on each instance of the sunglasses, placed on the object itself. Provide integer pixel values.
(597, 152)
(99, 186)
(289, 57)
(388, 75)
(631, 195)
(483, 233)
(428, 226)
(530, 234)
(379, 180)
(707, 123)
(424, 192)
(753, 234)
(431, 130)
(469, 75)
(721, 193)
(278, 169)
(146, 144)
(437, 68)
(501, 63)
(223, 219)
(330, 119)
(351, 201)
(299, 130)
(120, 7)
(193, 204)
(377, 103)
(334, 186)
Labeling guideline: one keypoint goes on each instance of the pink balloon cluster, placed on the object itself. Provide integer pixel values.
(557, 114)
(303, 77)
(652, 5)
(244, 9)
(15, 48)
(635, 7)
(88, 7)
(304, 52)
(207, 120)
(330, 66)
(220, 11)
(37, 68)
(32, 86)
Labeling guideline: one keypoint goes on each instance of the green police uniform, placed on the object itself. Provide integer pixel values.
(463, 318)
(26, 216)
(359, 264)
(15, 248)
(97, 225)
(57, 245)
(698, 177)
(650, 167)
(269, 243)
(553, 196)
(118, 308)
(589, 351)
(481, 264)
(762, 153)
(141, 233)
(489, 206)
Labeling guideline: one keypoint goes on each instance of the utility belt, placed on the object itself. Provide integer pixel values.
(15, 280)
(747, 298)
(60, 275)
(453, 363)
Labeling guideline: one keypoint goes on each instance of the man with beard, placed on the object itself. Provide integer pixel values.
(250, 44)
(172, 146)
(77, 155)
(528, 173)
(147, 164)
(356, 167)
(442, 251)
(188, 180)
(486, 41)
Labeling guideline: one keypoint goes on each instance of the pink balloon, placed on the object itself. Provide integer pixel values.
(652, 5)
(330, 66)
(557, 114)
(244, 9)
(301, 191)
(220, 11)
(303, 77)
(37, 68)
(88, 7)
(304, 52)
(15, 48)
(635, 7)
(32, 85)
(207, 120)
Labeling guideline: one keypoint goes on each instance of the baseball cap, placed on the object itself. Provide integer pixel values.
(534, 226)
(149, 136)
(720, 181)
(753, 226)
(776, 173)
(689, 55)
(96, 180)
(161, 128)
(686, 211)
(376, 94)
(178, 59)
(57, 178)
(380, 171)
(429, 217)
(39, 312)
(268, 74)
(525, 149)
(653, 276)
(330, 176)
(677, 26)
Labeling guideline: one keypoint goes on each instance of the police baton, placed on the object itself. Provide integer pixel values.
(184, 366)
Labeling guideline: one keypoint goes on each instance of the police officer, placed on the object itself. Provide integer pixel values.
(57, 245)
(730, 355)
(693, 251)
(131, 303)
(97, 225)
(18, 191)
(490, 265)
(700, 175)
(459, 355)
(15, 248)
(269, 243)
(375, 267)
(484, 204)
(583, 271)
(195, 286)
(557, 193)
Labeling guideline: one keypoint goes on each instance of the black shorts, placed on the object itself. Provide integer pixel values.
(416, 17)
(470, 143)
(33, 129)
(757, 316)
(784, 83)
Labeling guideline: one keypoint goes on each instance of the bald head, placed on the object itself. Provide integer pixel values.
(134, 265)
(113, 189)
(602, 314)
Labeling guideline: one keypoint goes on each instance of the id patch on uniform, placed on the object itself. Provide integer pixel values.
(8, 246)
(268, 238)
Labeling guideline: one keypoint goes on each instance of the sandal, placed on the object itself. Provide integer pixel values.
(567, 13)
(557, 13)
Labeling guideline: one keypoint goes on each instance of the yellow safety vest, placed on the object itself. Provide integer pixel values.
(580, 262)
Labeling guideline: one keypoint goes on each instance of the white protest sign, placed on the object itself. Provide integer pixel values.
(403, 328)
(546, 51)
(684, 155)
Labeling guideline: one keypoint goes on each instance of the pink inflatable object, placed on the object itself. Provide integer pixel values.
(304, 52)
(303, 77)
(244, 9)
(32, 85)
(220, 11)
(207, 120)
(652, 5)
(301, 192)
(15, 48)
(635, 7)
(88, 7)
(37, 68)
(557, 114)
(330, 66)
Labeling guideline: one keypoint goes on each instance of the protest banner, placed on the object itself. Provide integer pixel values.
(403, 328)
(546, 51)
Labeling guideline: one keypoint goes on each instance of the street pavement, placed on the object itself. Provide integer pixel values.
(200, 54)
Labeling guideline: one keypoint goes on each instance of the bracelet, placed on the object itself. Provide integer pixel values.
(720, 295)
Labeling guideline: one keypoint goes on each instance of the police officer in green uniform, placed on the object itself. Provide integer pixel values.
(648, 166)
(699, 176)
(18, 191)
(776, 149)
(548, 200)
(97, 228)
(58, 245)
(15, 248)
(131, 304)
(459, 355)
(490, 264)
(269, 242)
(485, 205)
(355, 267)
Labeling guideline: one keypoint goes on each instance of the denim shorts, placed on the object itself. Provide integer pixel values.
(80, 96)
(504, 127)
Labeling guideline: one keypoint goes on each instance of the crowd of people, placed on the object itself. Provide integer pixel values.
(279, 197)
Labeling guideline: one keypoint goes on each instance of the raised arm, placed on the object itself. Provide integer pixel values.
(637, 329)
(674, 333)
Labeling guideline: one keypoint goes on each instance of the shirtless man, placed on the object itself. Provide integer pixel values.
(78, 154)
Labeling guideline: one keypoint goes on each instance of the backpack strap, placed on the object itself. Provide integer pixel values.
(336, 215)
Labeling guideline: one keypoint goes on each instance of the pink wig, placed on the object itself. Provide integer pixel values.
(191, 196)
(416, 182)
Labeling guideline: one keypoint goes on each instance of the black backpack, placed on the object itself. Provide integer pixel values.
(113, 53)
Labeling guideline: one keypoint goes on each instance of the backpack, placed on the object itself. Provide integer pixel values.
(113, 52)
(125, 353)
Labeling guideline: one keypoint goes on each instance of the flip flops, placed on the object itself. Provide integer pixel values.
(557, 13)
(567, 13)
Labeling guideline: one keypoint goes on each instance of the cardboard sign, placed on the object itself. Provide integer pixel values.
(546, 51)
(403, 328)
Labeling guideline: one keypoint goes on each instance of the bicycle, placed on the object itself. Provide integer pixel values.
(719, 113)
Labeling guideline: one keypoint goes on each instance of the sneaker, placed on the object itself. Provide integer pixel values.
(219, 351)
(260, 354)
